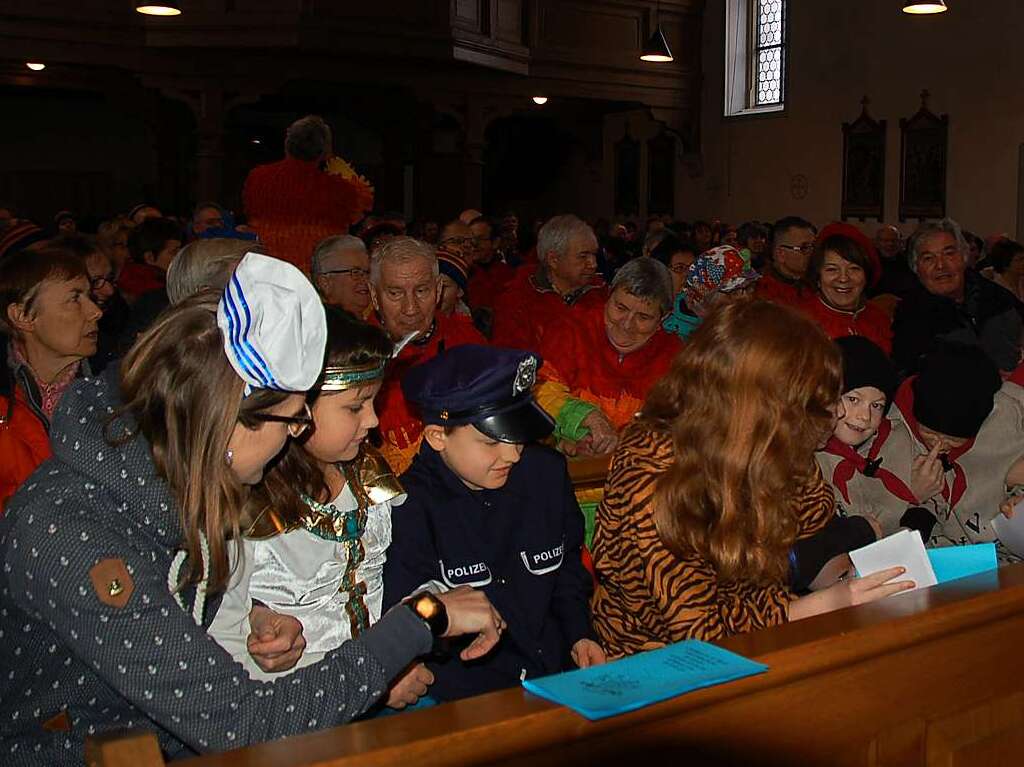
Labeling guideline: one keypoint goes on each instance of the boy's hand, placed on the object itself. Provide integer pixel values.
(587, 653)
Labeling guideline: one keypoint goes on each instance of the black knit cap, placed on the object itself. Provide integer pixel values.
(955, 390)
(865, 364)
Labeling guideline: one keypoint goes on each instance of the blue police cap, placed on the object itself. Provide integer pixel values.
(486, 386)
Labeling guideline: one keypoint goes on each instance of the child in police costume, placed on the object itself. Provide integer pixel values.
(487, 509)
(320, 522)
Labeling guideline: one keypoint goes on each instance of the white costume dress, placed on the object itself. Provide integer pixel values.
(325, 569)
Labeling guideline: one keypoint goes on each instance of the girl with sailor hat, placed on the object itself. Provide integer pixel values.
(116, 551)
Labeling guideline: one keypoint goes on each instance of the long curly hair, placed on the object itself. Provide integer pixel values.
(746, 403)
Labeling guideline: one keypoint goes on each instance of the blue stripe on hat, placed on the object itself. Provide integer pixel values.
(234, 327)
(260, 362)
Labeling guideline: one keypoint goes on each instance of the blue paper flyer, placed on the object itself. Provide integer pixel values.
(640, 680)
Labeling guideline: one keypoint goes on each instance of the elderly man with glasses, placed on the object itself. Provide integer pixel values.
(340, 270)
(792, 245)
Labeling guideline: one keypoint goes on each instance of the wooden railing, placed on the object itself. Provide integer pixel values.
(935, 677)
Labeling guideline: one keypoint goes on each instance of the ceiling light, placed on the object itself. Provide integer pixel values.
(540, 100)
(35, 66)
(162, 9)
(657, 49)
(920, 8)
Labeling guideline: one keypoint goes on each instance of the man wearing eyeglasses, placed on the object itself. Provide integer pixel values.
(792, 244)
(340, 270)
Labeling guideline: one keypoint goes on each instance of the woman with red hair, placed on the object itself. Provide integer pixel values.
(715, 481)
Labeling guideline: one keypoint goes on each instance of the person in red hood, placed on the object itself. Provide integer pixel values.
(564, 284)
(48, 326)
(843, 265)
(152, 245)
(405, 286)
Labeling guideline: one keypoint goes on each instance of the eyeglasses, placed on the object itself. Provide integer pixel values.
(297, 424)
(354, 271)
(98, 283)
(680, 268)
(806, 248)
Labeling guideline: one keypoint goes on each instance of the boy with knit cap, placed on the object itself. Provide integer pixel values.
(870, 460)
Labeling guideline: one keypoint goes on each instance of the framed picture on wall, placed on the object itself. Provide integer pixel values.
(864, 167)
(923, 157)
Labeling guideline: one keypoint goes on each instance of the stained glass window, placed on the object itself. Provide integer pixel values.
(769, 52)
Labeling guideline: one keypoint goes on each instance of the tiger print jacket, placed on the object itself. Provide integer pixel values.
(647, 596)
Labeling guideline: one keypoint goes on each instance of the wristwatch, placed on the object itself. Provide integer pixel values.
(431, 611)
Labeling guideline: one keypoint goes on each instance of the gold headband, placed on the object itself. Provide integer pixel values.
(341, 378)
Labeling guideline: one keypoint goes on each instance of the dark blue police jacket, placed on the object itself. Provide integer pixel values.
(519, 544)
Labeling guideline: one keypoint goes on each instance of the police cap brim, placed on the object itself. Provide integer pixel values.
(526, 423)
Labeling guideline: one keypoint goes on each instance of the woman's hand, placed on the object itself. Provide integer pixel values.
(850, 592)
(275, 641)
(926, 475)
(471, 612)
(410, 687)
(603, 437)
(586, 653)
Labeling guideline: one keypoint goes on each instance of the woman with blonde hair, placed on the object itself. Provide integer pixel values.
(715, 481)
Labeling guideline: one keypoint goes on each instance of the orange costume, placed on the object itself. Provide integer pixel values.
(581, 366)
(399, 427)
(529, 306)
(292, 205)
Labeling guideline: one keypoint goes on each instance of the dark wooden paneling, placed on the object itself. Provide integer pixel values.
(590, 26)
(920, 680)
(509, 24)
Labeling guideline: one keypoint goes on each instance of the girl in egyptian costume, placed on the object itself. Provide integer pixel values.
(320, 523)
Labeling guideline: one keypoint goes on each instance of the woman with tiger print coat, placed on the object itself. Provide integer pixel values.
(715, 481)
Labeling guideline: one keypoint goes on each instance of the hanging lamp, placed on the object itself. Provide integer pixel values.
(920, 8)
(656, 49)
(159, 9)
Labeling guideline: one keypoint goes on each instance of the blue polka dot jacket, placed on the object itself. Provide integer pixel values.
(92, 639)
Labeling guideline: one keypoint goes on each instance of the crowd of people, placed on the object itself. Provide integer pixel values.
(335, 451)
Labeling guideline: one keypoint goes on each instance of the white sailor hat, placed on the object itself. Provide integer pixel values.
(273, 324)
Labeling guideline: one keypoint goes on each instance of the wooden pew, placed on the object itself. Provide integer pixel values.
(935, 677)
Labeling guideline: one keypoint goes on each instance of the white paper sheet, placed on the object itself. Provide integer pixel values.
(902, 549)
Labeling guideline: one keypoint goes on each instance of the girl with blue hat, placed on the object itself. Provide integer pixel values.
(116, 551)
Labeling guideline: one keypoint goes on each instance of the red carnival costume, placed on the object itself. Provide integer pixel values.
(581, 364)
(399, 427)
(529, 306)
(869, 321)
(293, 205)
(778, 290)
(487, 282)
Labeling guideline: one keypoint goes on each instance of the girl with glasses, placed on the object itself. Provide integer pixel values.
(117, 551)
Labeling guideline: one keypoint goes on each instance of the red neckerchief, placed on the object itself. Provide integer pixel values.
(871, 466)
(905, 402)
